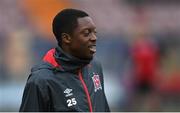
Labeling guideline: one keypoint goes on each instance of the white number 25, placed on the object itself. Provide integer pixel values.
(71, 102)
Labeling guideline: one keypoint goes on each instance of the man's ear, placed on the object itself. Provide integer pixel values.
(66, 38)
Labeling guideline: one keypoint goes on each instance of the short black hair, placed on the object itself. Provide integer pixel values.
(65, 22)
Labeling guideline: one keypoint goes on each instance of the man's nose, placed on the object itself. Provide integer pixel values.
(93, 37)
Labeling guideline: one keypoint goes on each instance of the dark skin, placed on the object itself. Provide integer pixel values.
(82, 42)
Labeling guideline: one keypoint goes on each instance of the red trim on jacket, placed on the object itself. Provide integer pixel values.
(49, 57)
(86, 91)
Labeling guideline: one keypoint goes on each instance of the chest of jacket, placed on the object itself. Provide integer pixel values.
(77, 92)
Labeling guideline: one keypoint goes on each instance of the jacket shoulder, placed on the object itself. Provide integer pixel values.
(96, 62)
(40, 73)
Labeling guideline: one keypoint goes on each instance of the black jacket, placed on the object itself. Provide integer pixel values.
(64, 83)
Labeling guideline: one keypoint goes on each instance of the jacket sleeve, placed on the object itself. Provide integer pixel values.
(106, 106)
(107, 109)
(33, 98)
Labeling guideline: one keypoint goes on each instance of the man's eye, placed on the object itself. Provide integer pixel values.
(87, 33)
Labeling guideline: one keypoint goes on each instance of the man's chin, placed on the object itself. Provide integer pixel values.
(89, 58)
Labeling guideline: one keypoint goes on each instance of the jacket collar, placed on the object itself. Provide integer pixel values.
(65, 62)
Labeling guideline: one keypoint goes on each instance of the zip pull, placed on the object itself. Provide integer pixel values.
(86, 90)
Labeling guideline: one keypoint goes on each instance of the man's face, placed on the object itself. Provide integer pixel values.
(83, 44)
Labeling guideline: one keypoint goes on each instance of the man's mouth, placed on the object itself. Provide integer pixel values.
(92, 48)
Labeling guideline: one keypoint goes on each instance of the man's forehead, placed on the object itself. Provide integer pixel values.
(86, 22)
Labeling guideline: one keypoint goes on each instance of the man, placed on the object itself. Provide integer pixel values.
(69, 78)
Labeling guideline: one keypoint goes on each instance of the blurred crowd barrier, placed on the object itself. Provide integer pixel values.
(138, 46)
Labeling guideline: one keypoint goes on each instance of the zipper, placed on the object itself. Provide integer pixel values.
(86, 91)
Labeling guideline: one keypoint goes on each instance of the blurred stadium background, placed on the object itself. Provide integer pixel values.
(132, 34)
